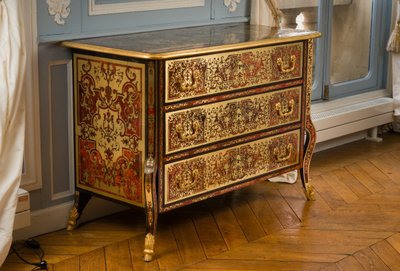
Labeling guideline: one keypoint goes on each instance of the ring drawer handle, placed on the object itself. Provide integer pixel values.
(283, 154)
(188, 134)
(285, 110)
(286, 68)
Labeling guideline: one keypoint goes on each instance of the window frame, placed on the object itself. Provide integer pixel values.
(378, 57)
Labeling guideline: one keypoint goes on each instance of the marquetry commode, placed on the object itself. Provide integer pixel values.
(167, 118)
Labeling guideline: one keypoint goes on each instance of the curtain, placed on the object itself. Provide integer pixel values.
(12, 116)
(394, 47)
(265, 12)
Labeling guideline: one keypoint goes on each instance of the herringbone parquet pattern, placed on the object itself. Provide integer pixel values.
(354, 224)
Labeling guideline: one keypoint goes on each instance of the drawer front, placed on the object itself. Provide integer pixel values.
(109, 127)
(217, 73)
(210, 123)
(210, 172)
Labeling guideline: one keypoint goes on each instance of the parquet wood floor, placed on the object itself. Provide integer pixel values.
(354, 224)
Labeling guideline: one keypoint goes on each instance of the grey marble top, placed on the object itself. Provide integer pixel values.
(190, 40)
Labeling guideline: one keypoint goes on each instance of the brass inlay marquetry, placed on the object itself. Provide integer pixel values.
(210, 123)
(214, 170)
(110, 127)
(218, 73)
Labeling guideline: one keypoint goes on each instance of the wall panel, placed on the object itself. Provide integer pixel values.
(55, 90)
(88, 18)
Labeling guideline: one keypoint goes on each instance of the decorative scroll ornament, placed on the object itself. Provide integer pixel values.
(231, 4)
(59, 9)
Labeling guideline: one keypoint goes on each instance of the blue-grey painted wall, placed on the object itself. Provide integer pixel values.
(54, 68)
(80, 24)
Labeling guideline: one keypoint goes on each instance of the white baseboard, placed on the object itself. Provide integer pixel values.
(22, 213)
(328, 144)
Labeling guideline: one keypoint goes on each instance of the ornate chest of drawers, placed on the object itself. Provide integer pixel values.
(167, 118)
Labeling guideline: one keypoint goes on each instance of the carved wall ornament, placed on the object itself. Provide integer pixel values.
(231, 4)
(59, 9)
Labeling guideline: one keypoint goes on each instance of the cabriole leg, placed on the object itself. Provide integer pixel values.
(151, 209)
(81, 200)
(309, 146)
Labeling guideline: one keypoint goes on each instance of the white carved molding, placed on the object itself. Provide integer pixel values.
(32, 173)
(231, 5)
(143, 5)
(59, 9)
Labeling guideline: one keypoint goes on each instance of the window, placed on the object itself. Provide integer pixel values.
(350, 55)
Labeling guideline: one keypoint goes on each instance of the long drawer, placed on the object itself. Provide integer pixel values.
(212, 171)
(218, 121)
(193, 77)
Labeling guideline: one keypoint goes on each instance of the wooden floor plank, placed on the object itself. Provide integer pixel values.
(350, 263)
(318, 206)
(118, 257)
(282, 210)
(350, 219)
(295, 199)
(93, 261)
(387, 165)
(350, 181)
(394, 241)
(341, 188)
(209, 234)
(387, 254)
(303, 208)
(166, 248)
(268, 220)
(229, 227)
(327, 193)
(375, 173)
(370, 261)
(331, 267)
(364, 178)
(306, 245)
(85, 238)
(71, 264)
(187, 240)
(262, 265)
(247, 220)
(63, 249)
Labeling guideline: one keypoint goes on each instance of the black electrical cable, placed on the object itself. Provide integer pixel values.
(30, 243)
